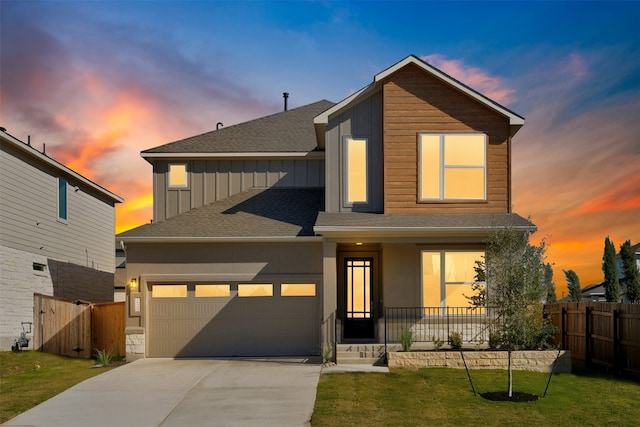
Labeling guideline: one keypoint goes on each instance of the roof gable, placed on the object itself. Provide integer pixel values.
(290, 131)
(515, 120)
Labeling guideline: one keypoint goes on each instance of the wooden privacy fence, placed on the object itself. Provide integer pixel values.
(77, 328)
(599, 334)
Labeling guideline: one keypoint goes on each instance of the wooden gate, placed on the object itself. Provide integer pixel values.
(77, 328)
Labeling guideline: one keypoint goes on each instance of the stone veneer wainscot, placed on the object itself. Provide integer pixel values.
(528, 360)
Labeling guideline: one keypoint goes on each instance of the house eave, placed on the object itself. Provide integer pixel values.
(266, 239)
(515, 121)
(31, 151)
(250, 155)
(355, 231)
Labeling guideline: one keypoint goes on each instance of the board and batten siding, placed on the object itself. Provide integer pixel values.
(216, 179)
(416, 102)
(29, 215)
(363, 120)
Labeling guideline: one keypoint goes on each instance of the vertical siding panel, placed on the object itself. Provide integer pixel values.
(262, 169)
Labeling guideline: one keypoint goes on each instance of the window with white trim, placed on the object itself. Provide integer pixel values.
(452, 166)
(178, 177)
(447, 277)
(355, 170)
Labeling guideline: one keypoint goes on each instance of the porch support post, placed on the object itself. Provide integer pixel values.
(329, 292)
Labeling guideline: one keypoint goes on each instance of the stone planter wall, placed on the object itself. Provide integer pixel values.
(540, 361)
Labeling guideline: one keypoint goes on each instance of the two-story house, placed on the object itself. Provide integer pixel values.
(56, 235)
(291, 232)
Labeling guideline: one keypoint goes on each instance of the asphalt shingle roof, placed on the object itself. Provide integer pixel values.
(288, 131)
(258, 212)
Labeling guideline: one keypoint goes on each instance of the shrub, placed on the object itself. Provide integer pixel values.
(455, 340)
(437, 342)
(104, 357)
(494, 340)
(406, 339)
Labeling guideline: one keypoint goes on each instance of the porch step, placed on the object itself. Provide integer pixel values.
(360, 354)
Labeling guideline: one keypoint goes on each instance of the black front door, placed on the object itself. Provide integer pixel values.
(359, 281)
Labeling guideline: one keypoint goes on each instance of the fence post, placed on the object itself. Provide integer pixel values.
(563, 328)
(587, 337)
(616, 340)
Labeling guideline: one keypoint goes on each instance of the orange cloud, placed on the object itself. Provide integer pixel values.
(135, 212)
(625, 195)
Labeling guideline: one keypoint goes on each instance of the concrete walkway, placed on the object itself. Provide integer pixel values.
(198, 392)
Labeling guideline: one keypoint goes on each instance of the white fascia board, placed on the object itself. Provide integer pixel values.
(272, 239)
(323, 118)
(301, 154)
(31, 151)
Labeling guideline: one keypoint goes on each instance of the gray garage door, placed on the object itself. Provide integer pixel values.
(207, 320)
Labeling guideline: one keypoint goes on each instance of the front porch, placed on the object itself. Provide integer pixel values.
(430, 328)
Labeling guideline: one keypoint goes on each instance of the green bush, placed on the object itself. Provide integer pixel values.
(406, 339)
(437, 342)
(104, 357)
(455, 340)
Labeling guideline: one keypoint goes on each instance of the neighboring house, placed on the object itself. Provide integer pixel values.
(596, 291)
(290, 232)
(56, 235)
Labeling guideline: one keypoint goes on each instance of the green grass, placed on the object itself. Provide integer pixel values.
(441, 396)
(28, 378)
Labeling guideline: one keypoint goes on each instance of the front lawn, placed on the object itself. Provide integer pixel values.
(28, 378)
(441, 396)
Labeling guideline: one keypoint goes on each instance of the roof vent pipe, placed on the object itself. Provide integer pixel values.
(29, 140)
(285, 95)
(219, 125)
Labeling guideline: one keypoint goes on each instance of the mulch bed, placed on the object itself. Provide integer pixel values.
(503, 396)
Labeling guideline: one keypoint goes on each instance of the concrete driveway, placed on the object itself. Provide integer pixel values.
(198, 392)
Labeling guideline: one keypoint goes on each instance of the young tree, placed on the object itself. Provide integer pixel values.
(610, 269)
(573, 285)
(631, 273)
(548, 282)
(516, 288)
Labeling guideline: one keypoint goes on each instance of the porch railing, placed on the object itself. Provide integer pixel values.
(435, 324)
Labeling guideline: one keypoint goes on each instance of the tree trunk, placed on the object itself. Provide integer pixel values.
(510, 374)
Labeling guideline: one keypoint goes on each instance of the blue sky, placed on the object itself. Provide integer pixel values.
(100, 81)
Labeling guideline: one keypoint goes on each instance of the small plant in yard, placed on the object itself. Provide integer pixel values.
(327, 355)
(494, 340)
(406, 339)
(455, 340)
(437, 342)
(103, 357)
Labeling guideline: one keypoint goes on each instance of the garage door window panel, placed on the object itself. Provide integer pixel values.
(255, 290)
(298, 290)
(212, 291)
(169, 291)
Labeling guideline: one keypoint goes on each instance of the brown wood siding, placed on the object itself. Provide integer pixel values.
(415, 102)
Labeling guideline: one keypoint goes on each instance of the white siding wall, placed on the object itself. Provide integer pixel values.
(28, 216)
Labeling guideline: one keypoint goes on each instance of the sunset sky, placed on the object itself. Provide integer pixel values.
(98, 82)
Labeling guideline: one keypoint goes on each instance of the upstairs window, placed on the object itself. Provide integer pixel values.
(356, 170)
(62, 199)
(452, 166)
(178, 177)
